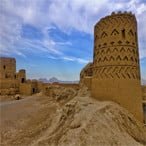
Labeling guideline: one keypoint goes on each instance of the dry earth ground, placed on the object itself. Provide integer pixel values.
(80, 121)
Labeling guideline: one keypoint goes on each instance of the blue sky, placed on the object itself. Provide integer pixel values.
(55, 37)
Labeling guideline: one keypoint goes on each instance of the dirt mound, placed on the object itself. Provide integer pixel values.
(60, 94)
(84, 121)
(78, 121)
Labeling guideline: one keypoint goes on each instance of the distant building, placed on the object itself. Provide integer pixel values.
(12, 82)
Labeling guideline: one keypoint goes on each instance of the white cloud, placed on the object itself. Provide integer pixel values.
(77, 14)
(75, 59)
(80, 15)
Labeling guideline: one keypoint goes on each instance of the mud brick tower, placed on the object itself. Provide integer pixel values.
(10, 80)
(7, 68)
(116, 70)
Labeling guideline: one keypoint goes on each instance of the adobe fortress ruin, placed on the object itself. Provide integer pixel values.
(115, 71)
(12, 82)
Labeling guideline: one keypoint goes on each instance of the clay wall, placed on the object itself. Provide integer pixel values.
(34, 85)
(9, 83)
(25, 89)
(28, 88)
(116, 70)
(9, 87)
(86, 75)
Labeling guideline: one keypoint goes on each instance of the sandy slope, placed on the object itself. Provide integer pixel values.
(81, 121)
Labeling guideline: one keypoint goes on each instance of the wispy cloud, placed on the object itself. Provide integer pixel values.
(69, 58)
(75, 59)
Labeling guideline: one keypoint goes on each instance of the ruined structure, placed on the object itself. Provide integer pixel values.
(86, 75)
(116, 70)
(30, 87)
(12, 82)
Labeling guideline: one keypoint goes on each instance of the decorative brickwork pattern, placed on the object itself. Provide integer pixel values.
(116, 46)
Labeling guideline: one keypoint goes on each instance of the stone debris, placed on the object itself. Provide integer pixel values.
(17, 97)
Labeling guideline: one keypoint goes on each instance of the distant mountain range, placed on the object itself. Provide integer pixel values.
(54, 79)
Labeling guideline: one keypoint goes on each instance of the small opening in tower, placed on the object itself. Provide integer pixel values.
(135, 36)
(123, 33)
(33, 90)
(4, 67)
(144, 110)
(22, 80)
